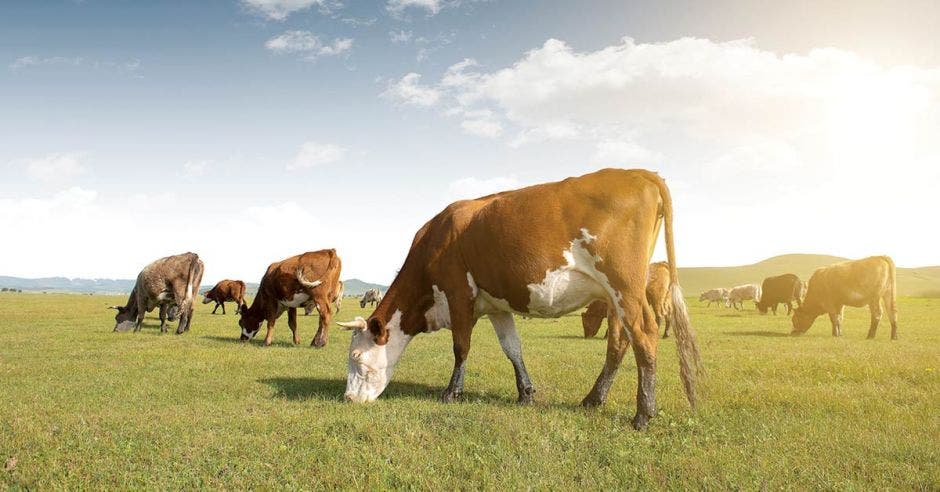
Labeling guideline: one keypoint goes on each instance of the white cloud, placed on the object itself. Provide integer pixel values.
(54, 168)
(409, 90)
(196, 169)
(35, 61)
(398, 7)
(128, 67)
(315, 154)
(307, 43)
(279, 10)
(473, 187)
(482, 127)
(625, 153)
(400, 37)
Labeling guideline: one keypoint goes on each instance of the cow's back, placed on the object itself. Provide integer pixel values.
(852, 283)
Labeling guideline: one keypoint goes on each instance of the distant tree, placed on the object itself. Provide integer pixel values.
(4, 289)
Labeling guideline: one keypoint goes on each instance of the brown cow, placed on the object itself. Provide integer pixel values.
(168, 282)
(337, 300)
(226, 290)
(869, 281)
(543, 251)
(286, 286)
(657, 295)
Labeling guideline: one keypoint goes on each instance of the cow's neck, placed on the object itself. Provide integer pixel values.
(411, 301)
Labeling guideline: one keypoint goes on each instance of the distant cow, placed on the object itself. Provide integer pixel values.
(657, 295)
(170, 283)
(741, 293)
(226, 290)
(337, 300)
(288, 284)
(372, 297)
(719, 296)
(782, 289)
(870, 281)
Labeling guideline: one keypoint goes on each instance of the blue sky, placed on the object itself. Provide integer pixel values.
(252, 130)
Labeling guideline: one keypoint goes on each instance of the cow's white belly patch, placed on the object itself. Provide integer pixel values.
(574, 284)
(165, 296)
(298, 300)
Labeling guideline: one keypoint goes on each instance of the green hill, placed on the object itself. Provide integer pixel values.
(916, 282)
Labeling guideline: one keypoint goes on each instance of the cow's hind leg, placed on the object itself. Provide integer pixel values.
(509, 340)
(645, 335)
(323, 330)
(875, 308)
(292, 324)
(617, 343)
(891, 307)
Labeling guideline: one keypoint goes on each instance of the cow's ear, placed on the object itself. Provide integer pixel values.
(377, 328)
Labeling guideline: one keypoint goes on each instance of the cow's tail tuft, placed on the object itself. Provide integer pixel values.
(690, 361)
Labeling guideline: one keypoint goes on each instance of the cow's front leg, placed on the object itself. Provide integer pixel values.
(163, 318)
(216, 308)
(223, 308)
(323, 329)
(617, 343)
(292, 324)
(460, 331)
(140, 320)
(270, 336)
(836, 320)
(505, 328)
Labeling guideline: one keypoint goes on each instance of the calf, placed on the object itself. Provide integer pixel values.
(657, 295)
(782, 289)
(169, 283)
(287, 285)
(226, 290)
(870, 281)
(719, 296)
(741, 293)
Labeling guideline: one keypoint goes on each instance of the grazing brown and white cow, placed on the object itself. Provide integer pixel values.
(288, 284)
(657, 295)
(542, 251)
(168, 283)
(337, 300)
(226, 290)
(719, 296)
(870, 281)
(741, 293)
(782, 289)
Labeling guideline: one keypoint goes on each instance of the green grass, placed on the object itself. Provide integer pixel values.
(82, 407)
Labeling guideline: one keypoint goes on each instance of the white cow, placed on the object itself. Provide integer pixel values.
(741, 293)
(718, 296)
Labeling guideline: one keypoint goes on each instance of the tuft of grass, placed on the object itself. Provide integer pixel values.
(83, 407)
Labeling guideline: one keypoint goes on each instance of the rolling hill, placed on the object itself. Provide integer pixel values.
(916, 282)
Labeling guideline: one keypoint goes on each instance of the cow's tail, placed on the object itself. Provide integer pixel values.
(193, 281)
(892, 293)
(690, 361)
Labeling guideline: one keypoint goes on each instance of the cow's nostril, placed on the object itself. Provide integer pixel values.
(348, 398)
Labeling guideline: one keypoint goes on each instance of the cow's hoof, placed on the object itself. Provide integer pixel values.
(591, 401)
(450, 396)
(526, 397)
(640, 421)
(318, 343)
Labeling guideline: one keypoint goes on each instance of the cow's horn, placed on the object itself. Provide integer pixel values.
(304, 282)
(356, 324)
(115, 307)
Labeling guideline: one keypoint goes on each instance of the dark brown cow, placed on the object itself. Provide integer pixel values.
(657, 295)
(543, 251)
(782, 289)
(226, 290)
(168, 283)
(288, 284)
(870, 281)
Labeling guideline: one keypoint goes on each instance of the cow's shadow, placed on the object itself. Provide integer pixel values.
(303, 388)
(759, 333)
(254, 343)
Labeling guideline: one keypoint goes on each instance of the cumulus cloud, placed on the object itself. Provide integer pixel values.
(400, 37)
(473, 187)
(314, 154)
(482, 126)
(307, 43)
(398, 7)
(278, 10)
(54, 168)
(409, 91)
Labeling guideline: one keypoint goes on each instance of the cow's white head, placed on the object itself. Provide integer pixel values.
(373, 353)
(249, 322)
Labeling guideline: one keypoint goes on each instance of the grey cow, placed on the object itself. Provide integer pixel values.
(719, 296)
(372, 296)
(169, 283)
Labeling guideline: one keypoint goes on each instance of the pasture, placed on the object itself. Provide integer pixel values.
(83, 407)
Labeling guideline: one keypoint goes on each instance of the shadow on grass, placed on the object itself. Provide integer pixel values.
(762, 333)
(257, 342)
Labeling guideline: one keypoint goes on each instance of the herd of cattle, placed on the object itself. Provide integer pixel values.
(542, 251)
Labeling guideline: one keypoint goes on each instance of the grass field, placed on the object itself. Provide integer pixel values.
(83, 407)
